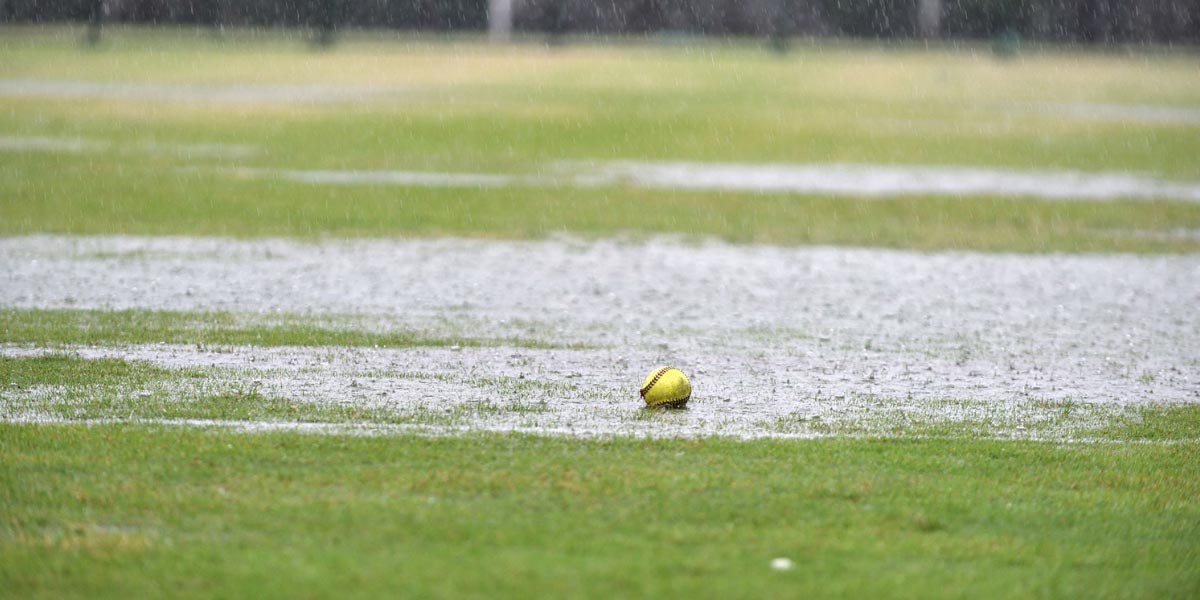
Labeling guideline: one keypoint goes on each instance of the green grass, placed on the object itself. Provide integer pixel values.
(1180, 422)
(130, 510)
(119, 511)
(466, 106)
(61, 327)
(70, 370)
(244, 404)
(210, 205)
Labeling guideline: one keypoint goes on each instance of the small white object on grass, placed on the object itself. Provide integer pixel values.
(781, 564)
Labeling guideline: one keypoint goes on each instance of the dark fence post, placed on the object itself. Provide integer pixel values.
(216, 18)
(929, 18)
(1093, 21)
(326, 21)
(783, 24)
(95, 20)
(556, 22)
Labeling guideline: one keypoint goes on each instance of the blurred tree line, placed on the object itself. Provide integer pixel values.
(1100, 21)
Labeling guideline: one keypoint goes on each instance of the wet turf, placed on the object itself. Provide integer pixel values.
(471, 108)
(128, 510)
(62, 327)
(118, 510)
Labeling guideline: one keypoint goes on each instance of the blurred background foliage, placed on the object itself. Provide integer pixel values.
(1098, 21)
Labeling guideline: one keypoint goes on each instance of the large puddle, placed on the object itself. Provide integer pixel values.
(778, 341)
(858, 180)
(76, 145)
(243, 93)
(893, 180)
(836, 179)
(1122, 113)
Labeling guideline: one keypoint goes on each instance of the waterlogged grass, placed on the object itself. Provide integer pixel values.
(247, 405)
(73, 388)
(210, 204)
(460, 105)
(107, 327)
(70, 370)
(1042, 420)
(120, 511)
(1156, 423)
(128, 510)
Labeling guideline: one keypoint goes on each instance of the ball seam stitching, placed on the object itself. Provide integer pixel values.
(677, 403)
(654, 380)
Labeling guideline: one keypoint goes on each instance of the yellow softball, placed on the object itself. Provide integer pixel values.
(666, 387)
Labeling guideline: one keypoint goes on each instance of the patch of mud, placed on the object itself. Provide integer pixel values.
(211, 93)
(776, 340)
(871, 181)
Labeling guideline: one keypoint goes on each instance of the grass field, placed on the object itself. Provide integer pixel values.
(995, 398)
(459, 106)
(115, 510)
